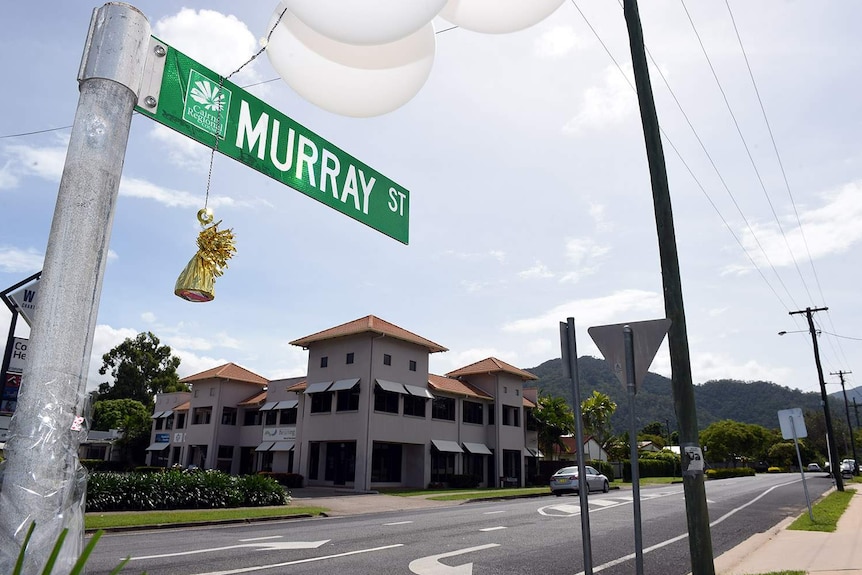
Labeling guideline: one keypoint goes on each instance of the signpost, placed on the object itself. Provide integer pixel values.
(630, 348)
(793, 427)
(193, 100)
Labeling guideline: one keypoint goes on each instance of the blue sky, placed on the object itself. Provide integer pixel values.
(530, 198)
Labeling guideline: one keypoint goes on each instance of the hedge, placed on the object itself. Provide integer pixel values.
(290, 480)
(727, 472)
(174, 489)
(650, 468)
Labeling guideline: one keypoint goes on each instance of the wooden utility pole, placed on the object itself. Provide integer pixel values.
(830, 434)
(841, 375)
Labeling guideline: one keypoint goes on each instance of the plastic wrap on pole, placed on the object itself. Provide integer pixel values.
(43, 483)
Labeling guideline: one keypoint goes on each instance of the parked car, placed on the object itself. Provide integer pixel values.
(566, 481)
(848, 466)
(815, 467)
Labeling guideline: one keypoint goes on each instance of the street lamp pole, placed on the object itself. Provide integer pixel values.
(830, 435)
(841, 374)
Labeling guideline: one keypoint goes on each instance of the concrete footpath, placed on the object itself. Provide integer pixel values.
(779, 549)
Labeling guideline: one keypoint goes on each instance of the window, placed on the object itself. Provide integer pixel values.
(196, 393)
(473, 412)
(169, 422)
(387, 359)
(321, 402)
(251, 417)
(228, 416)
(386, 462)
(443, 408)
(474, 465)
(530, 421)
(324, 361)
(201, 415)
(412, 365)
(386, 401)
(225, 451)
(313, 459)
(491, 414)
(350, 358)
(271, 417)
(517, 392)
(212, 392)
(414, 406)
(511, 416)
(158, 423)
(288, 416)
(442, 465)
(181, 420)
(348, 399)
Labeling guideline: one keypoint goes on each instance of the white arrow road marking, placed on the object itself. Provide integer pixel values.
(300, 561)
(262, 538)
(268, 546)
(431, 566)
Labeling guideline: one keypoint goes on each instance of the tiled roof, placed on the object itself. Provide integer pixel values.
(298, 387)
(492, 365)
(183, 406)
(449, 385)
(528, 403)
(229, 371)
(253, 400)
(369, 324)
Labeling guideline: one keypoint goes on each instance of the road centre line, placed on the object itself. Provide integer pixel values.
(685, 535)
(492, 528)
(398, 523)
(492, 512)
(300, 561)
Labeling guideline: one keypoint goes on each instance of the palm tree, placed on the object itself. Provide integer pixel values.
(554, 418)
(596, 412)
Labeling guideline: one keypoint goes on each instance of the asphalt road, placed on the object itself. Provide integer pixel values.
(525, 536)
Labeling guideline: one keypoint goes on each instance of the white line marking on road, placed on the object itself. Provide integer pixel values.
(398, 523)
(271, 546)
(492, 528)
(262, 538)
(685, 535)
(431, 565)
(603, 502)
(492, 512)
(300, 561)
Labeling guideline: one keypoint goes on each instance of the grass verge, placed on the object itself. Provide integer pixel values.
(144, 518)
(826, 512)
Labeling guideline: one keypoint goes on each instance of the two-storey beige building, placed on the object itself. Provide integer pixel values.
(367, 415)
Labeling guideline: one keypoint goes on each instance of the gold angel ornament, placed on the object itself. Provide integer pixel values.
(197, 282)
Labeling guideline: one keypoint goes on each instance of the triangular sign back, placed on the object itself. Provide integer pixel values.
(647, 337)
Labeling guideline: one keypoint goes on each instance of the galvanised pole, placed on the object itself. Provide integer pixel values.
(44, 482)
(697, 514)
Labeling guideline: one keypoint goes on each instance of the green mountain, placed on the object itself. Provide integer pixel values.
(745, 401)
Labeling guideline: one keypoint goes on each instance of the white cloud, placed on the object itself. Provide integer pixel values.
(15, 260)
(497, 255)
(105, 339)
(614, 308)
(112, 255)
(586, 255)
(597, 212)
(538, 271)
(148, 317)
(606, 105)
(830, 229)
(710, 366)
(22, 161)
(220, 42)
(8, 178)
(138, 188)
(191, 363)
(557, 42)
(183, 151)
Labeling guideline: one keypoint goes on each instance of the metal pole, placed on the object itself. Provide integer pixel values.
(830, 434)
(628, 337)
(849, 425)
(570, 368)
(697, 513)
(801, 469)
(44, 482)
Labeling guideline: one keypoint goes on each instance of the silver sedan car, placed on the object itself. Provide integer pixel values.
(566, 481)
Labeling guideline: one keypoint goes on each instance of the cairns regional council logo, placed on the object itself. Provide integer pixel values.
(207, 104)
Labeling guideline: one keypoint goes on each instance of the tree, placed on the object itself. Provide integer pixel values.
(728, 440)
(554, 418)
(596, 412)
(132, 418)
(141, 368)
(654, 428)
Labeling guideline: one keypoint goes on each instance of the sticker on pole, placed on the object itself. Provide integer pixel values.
(693, 460)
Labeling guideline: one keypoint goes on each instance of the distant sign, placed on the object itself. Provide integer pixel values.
(188, 97)
(18, 359)
(790, 420)
(24, 299)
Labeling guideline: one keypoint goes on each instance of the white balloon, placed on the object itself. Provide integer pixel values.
(346, 79)
(498, 16)
(365, 22)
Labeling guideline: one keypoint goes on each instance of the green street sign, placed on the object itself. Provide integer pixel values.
(193, 100)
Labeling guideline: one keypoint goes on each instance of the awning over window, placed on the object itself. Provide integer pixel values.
(157, 415)
(282, 446)
(446, 446)
(168, 413)
(343, 384)
(264, 446)
(532, 452)
(418, 391)
(269, 405)
(391, 386)
(287, 404)
(158, 446)
(477, 448)
(318, 387)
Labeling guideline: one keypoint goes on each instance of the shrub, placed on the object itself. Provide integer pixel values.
(175, 489)
(289, 480)
(460, 481)
(774, 470)
(603, 467)
(102, 465)
(649, 468)
(727, 472)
